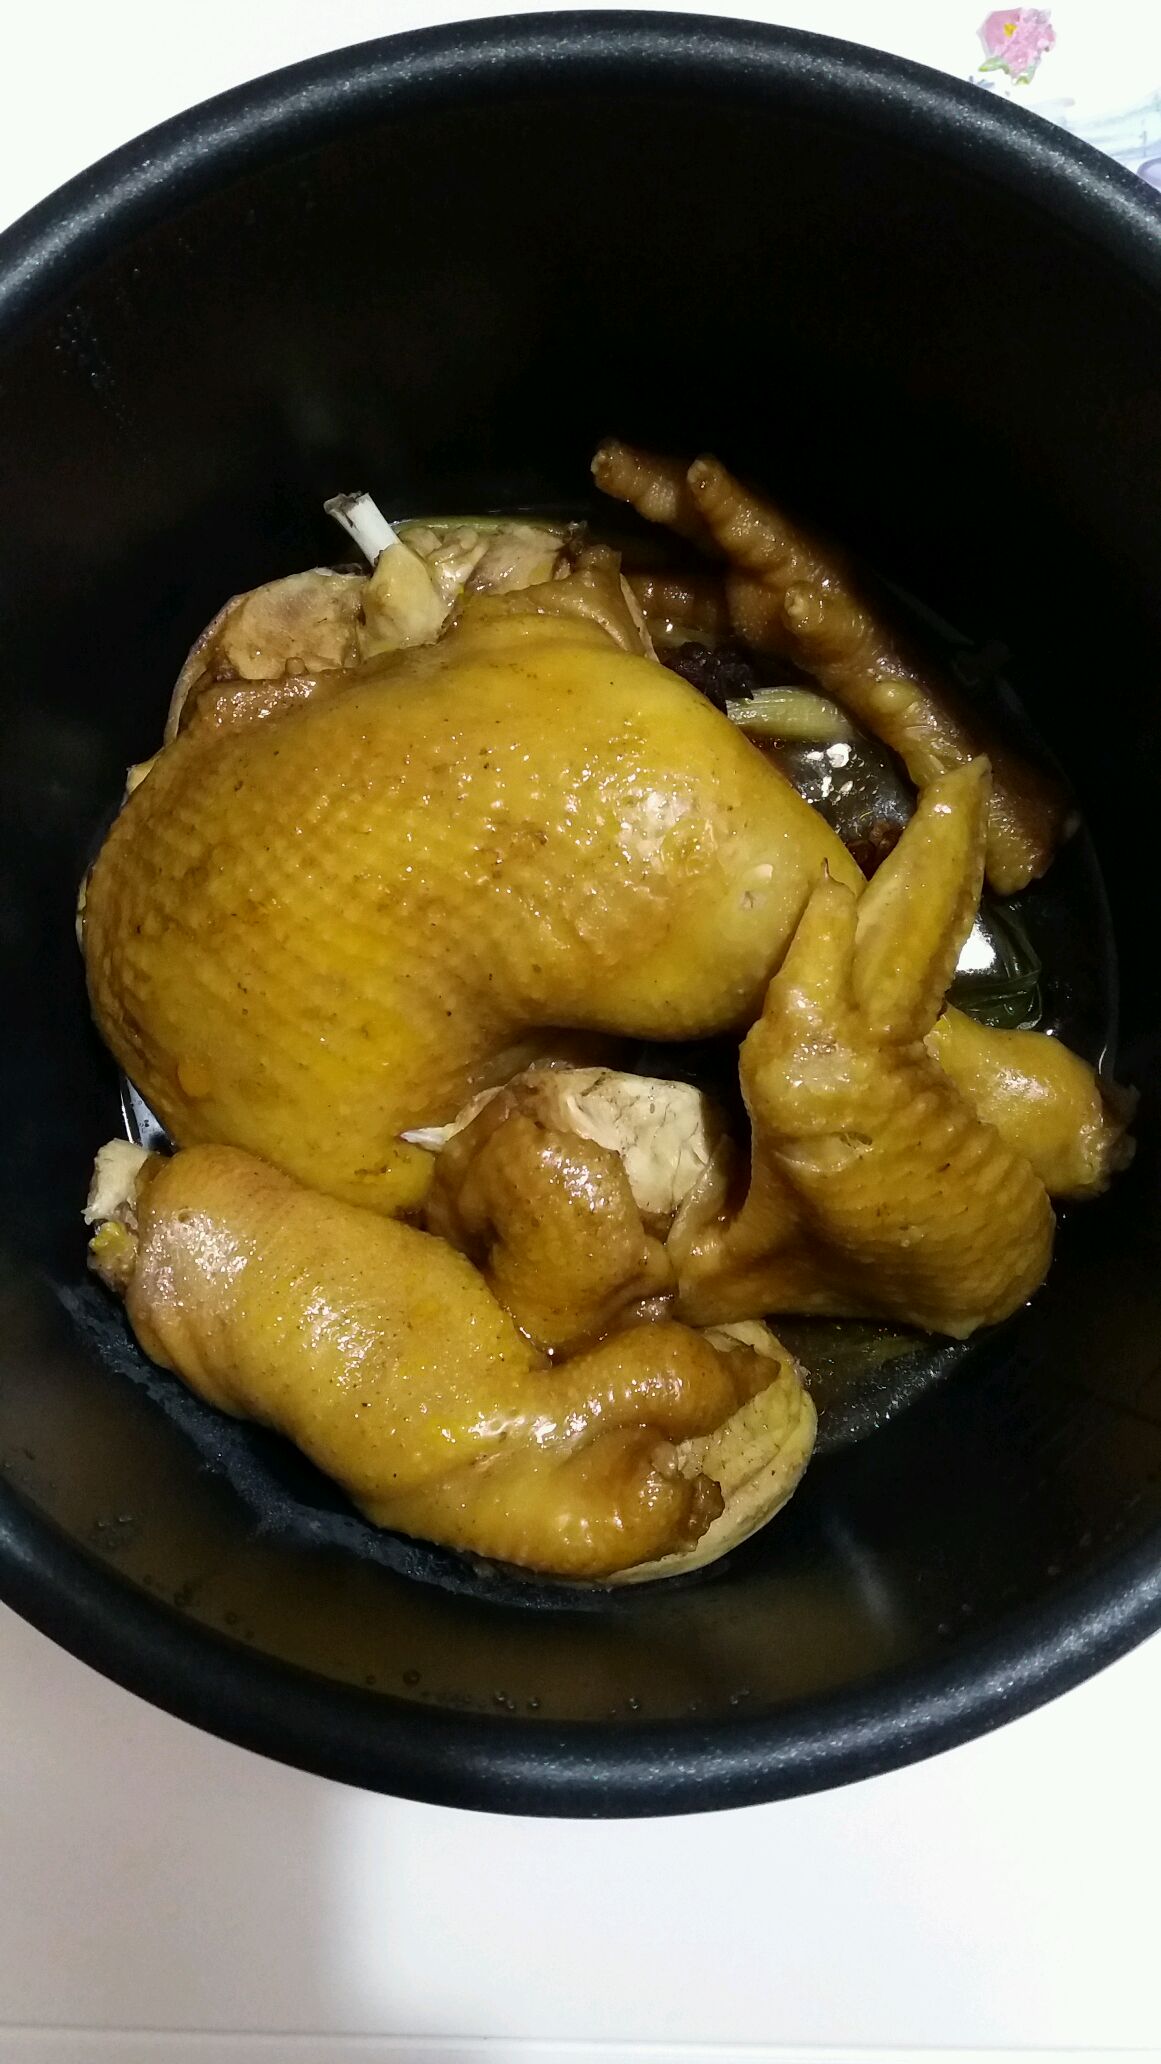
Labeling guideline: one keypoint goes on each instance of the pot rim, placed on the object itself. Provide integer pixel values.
(370, 1738)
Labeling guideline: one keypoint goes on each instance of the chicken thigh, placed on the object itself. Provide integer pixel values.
(384, 1356)
(331, 914)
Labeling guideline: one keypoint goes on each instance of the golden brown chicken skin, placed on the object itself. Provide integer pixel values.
(551, 1222)
(310, 931)
(1043, 1100)
(414, 829)
(876, 1189)
(385, 1357)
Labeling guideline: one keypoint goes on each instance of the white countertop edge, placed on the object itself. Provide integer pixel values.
(161, 2046)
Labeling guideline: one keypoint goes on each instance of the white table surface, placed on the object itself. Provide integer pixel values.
(165, 1897)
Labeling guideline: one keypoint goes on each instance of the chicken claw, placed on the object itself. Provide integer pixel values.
(657, 488)
(791, 594)
(876, 1190)
(682, 608)
(805, 587)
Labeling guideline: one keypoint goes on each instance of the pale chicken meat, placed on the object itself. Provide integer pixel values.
(325, 620)
(1042, 1099)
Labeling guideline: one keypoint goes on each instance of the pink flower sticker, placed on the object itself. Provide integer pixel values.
(1015, 39)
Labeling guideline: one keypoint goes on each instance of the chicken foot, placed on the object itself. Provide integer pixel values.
(794, 595)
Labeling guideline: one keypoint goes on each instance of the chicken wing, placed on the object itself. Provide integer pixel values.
(1042, 1099)
(876, 1190)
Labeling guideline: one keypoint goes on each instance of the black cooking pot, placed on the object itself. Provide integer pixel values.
(442, 267)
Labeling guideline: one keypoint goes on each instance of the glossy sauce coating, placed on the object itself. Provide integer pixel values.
(384, 1356)
(876, 1188)
(334, 922)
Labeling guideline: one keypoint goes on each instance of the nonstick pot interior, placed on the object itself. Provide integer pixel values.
(442, 267)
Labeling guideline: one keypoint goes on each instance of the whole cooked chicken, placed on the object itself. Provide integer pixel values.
(424, 849)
